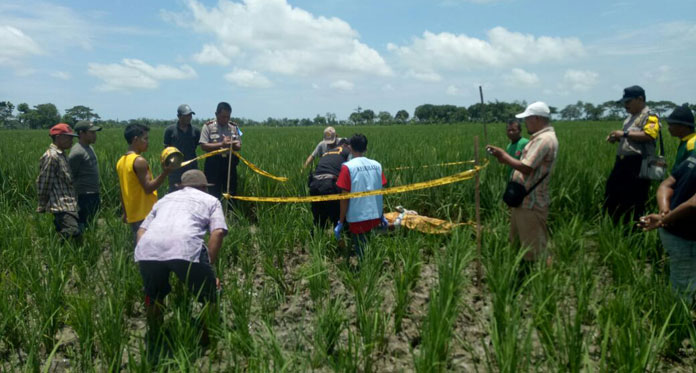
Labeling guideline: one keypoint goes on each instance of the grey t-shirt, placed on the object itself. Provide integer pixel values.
(322, 147)
(84, 169)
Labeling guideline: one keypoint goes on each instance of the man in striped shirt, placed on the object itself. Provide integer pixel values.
(528, 221)
(54, 184)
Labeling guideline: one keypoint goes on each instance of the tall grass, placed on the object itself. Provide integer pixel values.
(289, 302)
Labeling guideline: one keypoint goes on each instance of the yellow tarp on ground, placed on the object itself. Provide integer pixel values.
(425, 224)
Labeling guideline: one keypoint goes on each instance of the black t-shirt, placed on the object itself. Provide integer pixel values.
(331, 161)
(684, 188)
(185, 141)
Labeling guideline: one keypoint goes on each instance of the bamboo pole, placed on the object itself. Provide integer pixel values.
(229, 172)
(485, 127)
(477, 194)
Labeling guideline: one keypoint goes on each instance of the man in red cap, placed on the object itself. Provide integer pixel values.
(54, 184)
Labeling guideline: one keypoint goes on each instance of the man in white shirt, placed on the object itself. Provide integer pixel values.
(171, 239)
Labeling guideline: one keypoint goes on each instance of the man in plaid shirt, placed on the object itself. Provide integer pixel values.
(54, 184)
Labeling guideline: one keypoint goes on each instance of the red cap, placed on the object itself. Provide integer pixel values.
(61, 129)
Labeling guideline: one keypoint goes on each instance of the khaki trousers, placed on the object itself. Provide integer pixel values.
(528, 227)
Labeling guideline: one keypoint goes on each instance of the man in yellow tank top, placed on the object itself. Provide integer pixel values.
(138, 187)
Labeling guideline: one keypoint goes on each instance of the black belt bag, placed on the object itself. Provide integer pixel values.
(515, 192)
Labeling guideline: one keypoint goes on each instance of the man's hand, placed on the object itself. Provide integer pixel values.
(614, 136)
(337, 230)
(650, 222)
(226, 141)
(497, 152)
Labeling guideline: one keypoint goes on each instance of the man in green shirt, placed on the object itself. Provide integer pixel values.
(517, 142)
(681, 125)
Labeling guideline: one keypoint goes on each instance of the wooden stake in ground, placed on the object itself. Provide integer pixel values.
(229, 172)
(477, 195)
(483, 107)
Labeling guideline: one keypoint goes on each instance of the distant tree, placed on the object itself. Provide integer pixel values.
(424, 113)
(368, 116)
(305, 122)
(401, 116)
(6, 110)
(331, 119)
(319, 120)
(661, 107)
(355, 118)
(459, 115)
(613, 110)
(572, 112)
(593, 112)
(78, 113)
(385, 117)
(691, 106)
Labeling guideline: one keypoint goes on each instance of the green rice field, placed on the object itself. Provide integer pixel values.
(291, 302)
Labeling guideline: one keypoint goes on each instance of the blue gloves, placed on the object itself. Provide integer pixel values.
(384, 224)
(337, 230)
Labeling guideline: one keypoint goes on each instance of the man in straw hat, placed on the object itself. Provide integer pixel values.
(54, 185)
(330, 140)
(171, 239)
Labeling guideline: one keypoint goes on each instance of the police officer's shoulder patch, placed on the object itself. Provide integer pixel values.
(652, 126)
(691, 144)
(212, 121)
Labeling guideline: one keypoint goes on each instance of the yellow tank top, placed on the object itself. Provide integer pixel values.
(135, 201)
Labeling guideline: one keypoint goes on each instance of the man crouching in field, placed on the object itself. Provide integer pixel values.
(528, 220)
(171, 239)
(54, 184)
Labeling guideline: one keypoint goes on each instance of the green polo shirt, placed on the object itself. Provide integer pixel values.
(515, 151)
(685, 149)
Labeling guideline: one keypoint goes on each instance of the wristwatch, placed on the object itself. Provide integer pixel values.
(625, 135)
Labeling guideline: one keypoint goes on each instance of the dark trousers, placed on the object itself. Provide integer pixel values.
(215, 170)
(89, 205)
(625, 194)
(324, 213)
(198, 277)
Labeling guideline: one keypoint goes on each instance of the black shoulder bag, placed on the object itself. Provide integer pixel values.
(515, 192)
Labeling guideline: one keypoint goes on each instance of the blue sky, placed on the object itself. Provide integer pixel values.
(297, 59)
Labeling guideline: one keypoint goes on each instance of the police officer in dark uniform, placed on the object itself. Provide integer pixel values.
(217, 134)
(626, 193)
(323, 182)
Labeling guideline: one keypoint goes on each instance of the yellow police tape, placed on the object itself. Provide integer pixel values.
(236, 154)
(465, 175)
(432, 165)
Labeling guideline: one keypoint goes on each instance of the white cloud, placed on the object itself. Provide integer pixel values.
(136, 74)
(54, 27)
(519, 77)
(211, 55)
(662, 74)
(273, 36)
(15, 45)
(452, 90)
(248, 78)
(447, 51)
(62, 75)
(426, 76)
(580, 80)
(342, 85)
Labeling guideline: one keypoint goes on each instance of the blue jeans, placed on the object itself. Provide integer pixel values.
(359, 243)
(682, 264)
